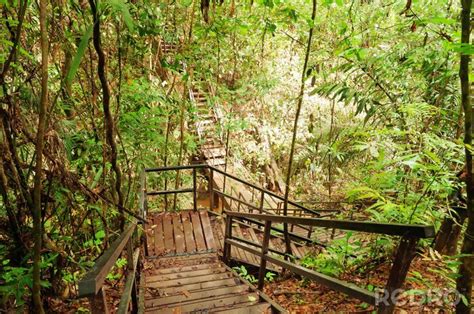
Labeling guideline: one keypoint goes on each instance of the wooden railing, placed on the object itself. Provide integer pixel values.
(242, 205)
(91, 286)
(410, 234)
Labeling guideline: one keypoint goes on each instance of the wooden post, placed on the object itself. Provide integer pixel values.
(228, 235)
(98, 303)
(130, 264)
(263, 261)
(194, 190)
(211, 189)
(405, 253)
(262, 201)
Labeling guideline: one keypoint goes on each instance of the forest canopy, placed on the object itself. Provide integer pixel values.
(364, 106)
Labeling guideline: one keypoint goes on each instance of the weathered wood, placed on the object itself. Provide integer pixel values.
(211, 190)
(405, 254)
(263, 263)
(129, 292)
(168, 301)
(227, 235)
(168, 233)
(214, 303)
(188, 280)
(94, 279)
(226, 282)
(333, 283)
(197, 228)
(420, 231)
(166, 192)
(206, 226)
(170, 168)
(180, 247)
(159, 247)
(262, 201)
(188, 233)
(194, 190)
(98, 303)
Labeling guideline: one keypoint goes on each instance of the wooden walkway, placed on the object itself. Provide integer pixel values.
(184, 232)
(184, 273)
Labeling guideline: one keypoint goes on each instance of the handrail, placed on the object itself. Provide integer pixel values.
(263, 190)
(91, 285)
(410, 234)
(420, 231)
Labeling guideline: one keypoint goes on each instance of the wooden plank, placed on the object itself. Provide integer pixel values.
(209, 303)
(187, 281)
(247, 257)
(128, 290)
(222, 283)
(94, 279)
(421, 231)
(178, 275)
(170, 301)
(246, 309)
(233, 250)
(188, 233)
(294, 250)
(168, 233)
(197, 229)
(158, 239)
(183, 269)
(178, 234)
(206, 225)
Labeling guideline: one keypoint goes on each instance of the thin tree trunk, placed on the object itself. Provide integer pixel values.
(42, 119)
(466, 270)
(108, 119)
(295, 129)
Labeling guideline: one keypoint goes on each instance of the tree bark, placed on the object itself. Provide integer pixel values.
(42, 120)
(466, 270)
(108, 119)
(295, 129)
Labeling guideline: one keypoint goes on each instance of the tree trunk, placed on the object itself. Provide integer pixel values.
(108, 119)
(466, 270)
(42, 120)
(295, 129)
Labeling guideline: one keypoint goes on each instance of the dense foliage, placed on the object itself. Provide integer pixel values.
(381, 124)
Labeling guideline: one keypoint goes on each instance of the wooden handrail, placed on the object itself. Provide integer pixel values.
(130, 289)
(405, 253)
(396, 229)
(91, 285)
(94, 279)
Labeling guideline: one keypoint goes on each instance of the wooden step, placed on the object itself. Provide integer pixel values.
(198, 288)
(190, 297)
(207, 304)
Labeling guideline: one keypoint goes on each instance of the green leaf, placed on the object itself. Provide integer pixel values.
(185, 3)
(76, 61)
(122, 7)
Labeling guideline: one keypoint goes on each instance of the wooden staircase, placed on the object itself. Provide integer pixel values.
(199, 283)
(183, 272)
(212, 149)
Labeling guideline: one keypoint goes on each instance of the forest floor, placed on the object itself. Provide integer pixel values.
(302, 296)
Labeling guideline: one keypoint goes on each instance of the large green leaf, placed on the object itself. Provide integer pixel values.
(76, 61)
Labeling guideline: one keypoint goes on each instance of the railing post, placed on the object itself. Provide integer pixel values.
(228, 235)
(211, 189)
(130, 265)
(98, 303)
(405, 253)
(262, 201)
(194, 190)
(143, 207)
(263, 261)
